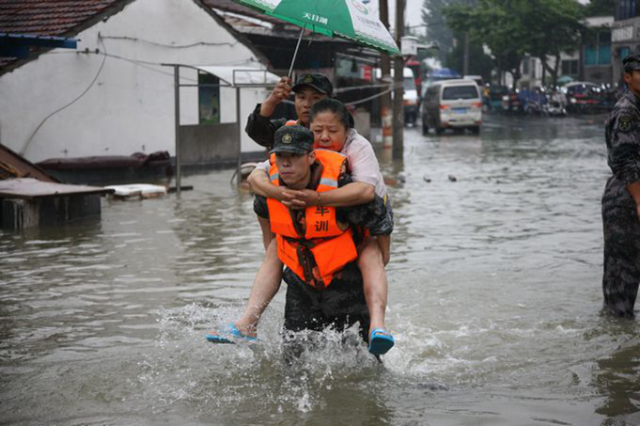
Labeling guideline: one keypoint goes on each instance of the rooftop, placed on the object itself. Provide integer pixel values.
(48, 17)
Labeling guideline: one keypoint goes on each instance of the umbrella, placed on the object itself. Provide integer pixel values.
(349, 19)
(444, 73)
(565, 79)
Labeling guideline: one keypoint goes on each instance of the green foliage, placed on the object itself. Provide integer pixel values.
(479, 62)
(438, 30)
(492, 23)
(513, 28)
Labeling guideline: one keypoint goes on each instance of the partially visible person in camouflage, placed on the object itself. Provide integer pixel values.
(309, 89)
(621, 199)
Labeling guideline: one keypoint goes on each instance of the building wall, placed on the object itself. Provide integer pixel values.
(599, 74)
(625, 40)
(80, 103)
(531, 69)
(201, 146)
(596, 54)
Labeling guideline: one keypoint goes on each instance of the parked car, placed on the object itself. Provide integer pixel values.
(584, 97)
(454, 104)
(512, 102)
(495, 98)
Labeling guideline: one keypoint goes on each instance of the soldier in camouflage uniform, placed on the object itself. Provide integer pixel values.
(343, 303)
(309, 89)
(621, 199)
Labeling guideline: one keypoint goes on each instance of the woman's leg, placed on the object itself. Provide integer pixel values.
(374, 279)
(384, 243)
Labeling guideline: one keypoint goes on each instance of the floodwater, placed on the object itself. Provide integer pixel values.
(495, 303)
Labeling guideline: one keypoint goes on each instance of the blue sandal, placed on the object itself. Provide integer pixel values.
(229, 335)
(380, 341)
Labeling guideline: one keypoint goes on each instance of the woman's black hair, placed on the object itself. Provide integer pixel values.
(335, 106)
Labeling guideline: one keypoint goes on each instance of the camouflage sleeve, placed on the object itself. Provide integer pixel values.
(624, 141)
(262, 129)
(373, 215)
(260, 206)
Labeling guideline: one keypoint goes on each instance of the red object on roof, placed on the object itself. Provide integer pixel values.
(48, 17)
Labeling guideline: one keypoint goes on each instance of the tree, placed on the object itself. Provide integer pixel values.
(601, 8)
(492, 23)
(437, 29)
(554, 27)
(479, 62)
(514, 28)
(422, 53)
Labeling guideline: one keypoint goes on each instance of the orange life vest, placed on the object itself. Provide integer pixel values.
(325, 247)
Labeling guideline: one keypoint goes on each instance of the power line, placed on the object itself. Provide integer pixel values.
(24, 149)
(171, 46)
(148, 65)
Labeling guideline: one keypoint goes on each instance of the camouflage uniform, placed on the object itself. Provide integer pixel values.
(341, 304)
(619, 214)
(262, 129)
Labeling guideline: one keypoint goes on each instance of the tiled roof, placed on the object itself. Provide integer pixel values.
(48, 17)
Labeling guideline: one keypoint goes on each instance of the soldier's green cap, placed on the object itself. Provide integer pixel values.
(631, 63)
(293, 140)
(318, 81)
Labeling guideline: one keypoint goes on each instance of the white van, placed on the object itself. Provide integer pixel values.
(410, 97)
(453, 104)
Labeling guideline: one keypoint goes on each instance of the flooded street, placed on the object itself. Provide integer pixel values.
(494, 301)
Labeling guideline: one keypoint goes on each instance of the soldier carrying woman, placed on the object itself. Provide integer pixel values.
(359, 227)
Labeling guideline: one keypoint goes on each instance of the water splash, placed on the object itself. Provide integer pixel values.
(186, 369)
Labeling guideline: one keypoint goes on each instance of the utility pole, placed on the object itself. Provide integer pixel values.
(398, 90)
(385, 73)
(465, 59)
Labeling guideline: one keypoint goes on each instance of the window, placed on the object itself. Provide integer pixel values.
(604, 54)
(570, 67)
(627, 9)
(533, 68)
(459, 92)
(624, 52)
(208, 99)
(598, 52)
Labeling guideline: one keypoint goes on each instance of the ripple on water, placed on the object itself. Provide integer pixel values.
(494, 301)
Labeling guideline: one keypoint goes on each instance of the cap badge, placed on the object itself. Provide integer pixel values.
(287, 138)
(308, 79)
